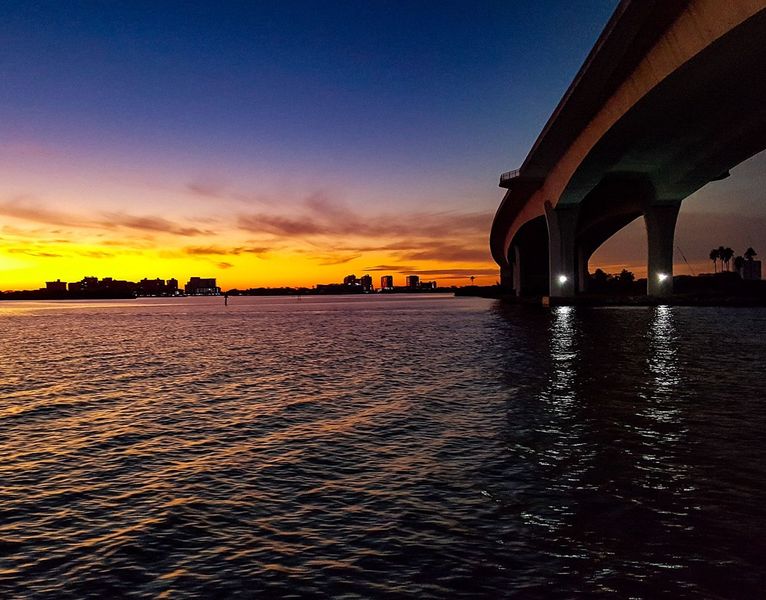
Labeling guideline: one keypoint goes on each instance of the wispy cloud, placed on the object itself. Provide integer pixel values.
(392, 268)
(31, 210)
(27, 209)
(224, 251)
(152, 224)
(216, 189)
(411, 236)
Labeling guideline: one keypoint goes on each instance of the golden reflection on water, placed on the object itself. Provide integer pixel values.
(664, 370)
(563, 357)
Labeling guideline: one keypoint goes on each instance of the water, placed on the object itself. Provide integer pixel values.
(375, 447)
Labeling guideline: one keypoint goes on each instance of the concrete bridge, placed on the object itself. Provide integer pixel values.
(671, 97)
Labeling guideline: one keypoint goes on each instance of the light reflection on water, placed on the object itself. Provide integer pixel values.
(369, 447)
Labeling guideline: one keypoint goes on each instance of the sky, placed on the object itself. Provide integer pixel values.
(292, 143)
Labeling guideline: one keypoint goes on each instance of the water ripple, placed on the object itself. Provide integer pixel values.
(380, 447)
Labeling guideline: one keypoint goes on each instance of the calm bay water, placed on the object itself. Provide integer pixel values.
(376, 447)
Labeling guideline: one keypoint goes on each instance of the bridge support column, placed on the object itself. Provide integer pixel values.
(660, 223)
(582, 268)
(516, 270)
(564, 273)
(506, 277)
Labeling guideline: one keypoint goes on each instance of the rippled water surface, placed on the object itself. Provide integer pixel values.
(375, 447)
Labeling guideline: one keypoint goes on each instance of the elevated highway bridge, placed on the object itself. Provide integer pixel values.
(671, 97)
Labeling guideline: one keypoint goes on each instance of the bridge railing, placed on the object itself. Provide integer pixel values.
(508, 175)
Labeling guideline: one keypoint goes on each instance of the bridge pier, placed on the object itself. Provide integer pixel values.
(565, 273)
(660, 223)
(506, 277)
(516, 270)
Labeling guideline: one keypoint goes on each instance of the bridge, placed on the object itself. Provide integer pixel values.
(671, 97)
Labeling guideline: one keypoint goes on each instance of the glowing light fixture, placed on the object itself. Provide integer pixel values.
(562, 279)
(662, 276)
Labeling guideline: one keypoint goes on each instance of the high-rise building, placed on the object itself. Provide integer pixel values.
(366, 282)
(202, 286)
(350, 280)
(387, 282)
(55, 286)
(413, 281)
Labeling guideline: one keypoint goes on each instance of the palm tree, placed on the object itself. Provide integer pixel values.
(714, 256)
(728, 253)
(750, 254)
(721, 252)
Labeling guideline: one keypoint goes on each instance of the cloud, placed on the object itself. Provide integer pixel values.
(395, 268)
(152, 224)
(207, 189)
(96, 254)
(224, 251)
(444, 236)
(449, 253)
(33, 252)
(455, 273)
(322, 216)
(336, 259)
(218, 190)
(279, 225)
(224, 265)
(27, 209)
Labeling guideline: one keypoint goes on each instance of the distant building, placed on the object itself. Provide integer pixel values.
(156, 287)
(202, 286)
(108, 287)
(172, 286)
(55, 286)
(427, 285)
(89, 283)
(387, 282)
(412, 282)
(150, 287)
(366, 283)
(350, 280)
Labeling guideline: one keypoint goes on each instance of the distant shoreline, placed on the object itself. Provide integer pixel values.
(36, 296)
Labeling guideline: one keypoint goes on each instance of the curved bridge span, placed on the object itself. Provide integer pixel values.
(671, 97)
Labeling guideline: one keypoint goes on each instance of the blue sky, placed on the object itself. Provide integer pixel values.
(207, 115)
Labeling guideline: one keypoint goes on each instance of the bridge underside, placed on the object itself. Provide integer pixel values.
(700, 121)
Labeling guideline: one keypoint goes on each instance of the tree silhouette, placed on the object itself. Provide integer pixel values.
(626, 276)
(739, 262)
(750, 254)
(727, 255)
(714, 256)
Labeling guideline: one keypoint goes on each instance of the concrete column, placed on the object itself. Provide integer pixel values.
(506, 277)
(516, 270)
(660, 228)
(582, 268)
(564, 272)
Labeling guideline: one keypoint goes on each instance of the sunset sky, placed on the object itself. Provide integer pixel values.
(292, 143)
